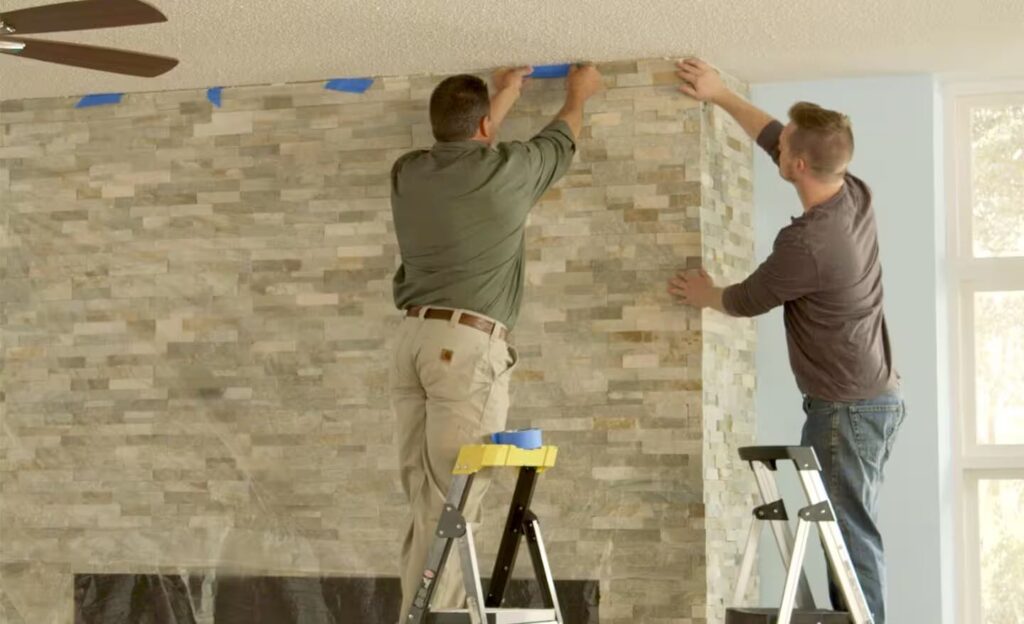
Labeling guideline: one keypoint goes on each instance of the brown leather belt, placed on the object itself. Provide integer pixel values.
(469, 320)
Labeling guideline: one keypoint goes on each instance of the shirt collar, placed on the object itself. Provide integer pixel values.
(831, 202)
(458, 146)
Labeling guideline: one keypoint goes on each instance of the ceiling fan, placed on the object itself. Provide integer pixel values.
(83, 15)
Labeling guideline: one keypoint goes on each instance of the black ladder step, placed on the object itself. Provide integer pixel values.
(771, 616)
(803, 456)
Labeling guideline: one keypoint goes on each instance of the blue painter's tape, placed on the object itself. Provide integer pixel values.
(213, 94)
(550, 71)
(99, 99)
(349, 85)
(528, 439)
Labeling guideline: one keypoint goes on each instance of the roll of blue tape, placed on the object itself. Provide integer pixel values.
(528, 439)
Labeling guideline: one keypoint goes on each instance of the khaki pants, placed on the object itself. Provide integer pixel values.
(449, 387)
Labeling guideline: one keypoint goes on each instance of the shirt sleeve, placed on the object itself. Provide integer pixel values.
(396, 169)
(769, 139)
(790, 272)
(547, 156)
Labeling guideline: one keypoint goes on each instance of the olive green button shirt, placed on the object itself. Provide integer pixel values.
(460, 213)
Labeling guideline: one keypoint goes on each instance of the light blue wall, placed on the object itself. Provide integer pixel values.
(897, 124)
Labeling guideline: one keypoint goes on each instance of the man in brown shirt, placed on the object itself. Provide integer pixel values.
(824, 269)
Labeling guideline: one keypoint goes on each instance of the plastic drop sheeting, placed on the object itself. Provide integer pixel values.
(149, 599)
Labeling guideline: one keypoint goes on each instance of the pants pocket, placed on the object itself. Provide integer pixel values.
(891, 440)
(815, 408)
(511, 362)
(874, 430)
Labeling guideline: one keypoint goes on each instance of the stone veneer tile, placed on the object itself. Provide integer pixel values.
(196, 318)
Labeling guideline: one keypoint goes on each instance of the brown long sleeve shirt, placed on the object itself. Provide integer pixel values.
(825, 270)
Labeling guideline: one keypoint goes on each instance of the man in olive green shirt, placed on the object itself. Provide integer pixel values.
(460, 213)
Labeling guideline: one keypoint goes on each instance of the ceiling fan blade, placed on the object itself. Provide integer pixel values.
(81, 15)
(92, 57)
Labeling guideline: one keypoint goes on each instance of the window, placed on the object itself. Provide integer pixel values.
(986, 252)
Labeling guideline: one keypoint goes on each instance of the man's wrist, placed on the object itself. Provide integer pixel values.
(718, 300)
(721, 97)
(574, 99)
(708, 300)
(512, 89)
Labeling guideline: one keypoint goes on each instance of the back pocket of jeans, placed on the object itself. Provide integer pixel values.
(872, 429)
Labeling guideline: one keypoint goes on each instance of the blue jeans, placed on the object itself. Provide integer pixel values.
(853, 442)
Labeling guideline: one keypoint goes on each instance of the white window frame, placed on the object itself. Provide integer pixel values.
(972, 462)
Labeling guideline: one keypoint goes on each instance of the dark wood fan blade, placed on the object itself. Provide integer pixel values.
(82, 15)
(92, 57)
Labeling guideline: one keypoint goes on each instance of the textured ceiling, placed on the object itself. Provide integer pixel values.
(240, 42)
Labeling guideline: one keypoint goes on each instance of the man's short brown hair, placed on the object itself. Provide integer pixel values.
(823, 138)
(457, 106)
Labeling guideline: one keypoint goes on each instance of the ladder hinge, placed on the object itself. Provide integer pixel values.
(772, 511)
(452, 523)
(821, 512)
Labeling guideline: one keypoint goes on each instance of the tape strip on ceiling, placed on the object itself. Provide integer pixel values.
(99, 99)
(349, 85)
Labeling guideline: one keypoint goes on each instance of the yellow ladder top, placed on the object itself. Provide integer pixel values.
(474, 457)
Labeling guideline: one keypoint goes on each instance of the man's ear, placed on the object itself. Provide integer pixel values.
(486, 128)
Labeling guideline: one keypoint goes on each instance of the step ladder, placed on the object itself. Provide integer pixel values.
(797, 602)
(453, 530)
